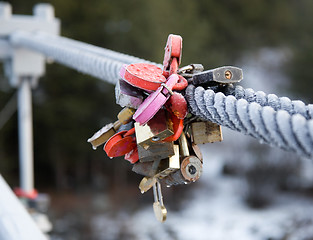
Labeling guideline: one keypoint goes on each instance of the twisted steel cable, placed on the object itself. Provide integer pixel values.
(276, 121)
(277, 103)
(97, 62)
(292, 132)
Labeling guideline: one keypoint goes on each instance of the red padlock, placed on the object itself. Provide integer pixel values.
(172, 58)
(181, 84)
(177, 104)
(120, 143)
(132, 156)
(178, 127)
(173, 49)
(143, 75)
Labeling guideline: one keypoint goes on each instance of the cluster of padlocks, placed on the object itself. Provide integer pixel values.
(154, 130)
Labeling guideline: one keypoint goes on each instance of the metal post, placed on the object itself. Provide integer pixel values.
(25, 126)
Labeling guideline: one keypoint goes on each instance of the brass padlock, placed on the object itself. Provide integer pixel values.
(125, 115)
(155, 130)
(170, 164)
(159, 209)
(183, 143)
(158, 150)
(147, 183)
(197, 151)
(191, 164)
(206, 132)
(103, 135)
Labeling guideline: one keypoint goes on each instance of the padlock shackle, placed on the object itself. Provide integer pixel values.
(178, 127)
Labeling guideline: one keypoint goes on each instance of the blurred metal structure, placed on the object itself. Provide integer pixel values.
(26, 42)
(15, 221)
(23, 67)
(25, 137)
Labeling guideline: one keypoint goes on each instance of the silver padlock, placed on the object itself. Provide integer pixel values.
(127, 95)
(190, 70)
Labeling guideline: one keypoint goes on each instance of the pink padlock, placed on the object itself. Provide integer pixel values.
(123, 70)
(155, 101)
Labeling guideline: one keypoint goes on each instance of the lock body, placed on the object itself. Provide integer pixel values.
(127, 96)
(104, 134)
(155, 151)
(206, 132)
(170, 164)
(155, 130)
(225, 75)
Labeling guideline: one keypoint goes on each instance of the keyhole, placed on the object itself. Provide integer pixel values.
(228, 74)
(155, 139)
(192, 170)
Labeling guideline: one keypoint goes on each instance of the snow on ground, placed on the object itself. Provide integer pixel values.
(215, 209)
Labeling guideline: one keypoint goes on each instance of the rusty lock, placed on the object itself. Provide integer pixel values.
(206, 132)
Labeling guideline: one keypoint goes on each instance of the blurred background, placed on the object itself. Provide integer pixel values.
(247, 191)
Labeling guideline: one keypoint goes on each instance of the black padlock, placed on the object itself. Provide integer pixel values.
(225, 75)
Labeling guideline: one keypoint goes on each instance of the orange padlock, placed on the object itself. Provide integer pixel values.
(120, 143)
